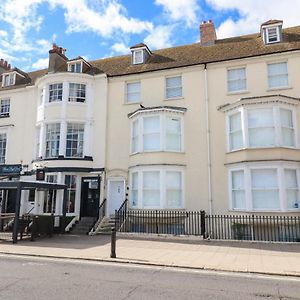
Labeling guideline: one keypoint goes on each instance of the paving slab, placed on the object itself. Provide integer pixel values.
(253, 257)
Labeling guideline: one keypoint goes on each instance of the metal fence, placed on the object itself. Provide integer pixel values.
(253, 227)
(219, 227)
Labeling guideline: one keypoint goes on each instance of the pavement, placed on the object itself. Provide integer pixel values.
(250, 257)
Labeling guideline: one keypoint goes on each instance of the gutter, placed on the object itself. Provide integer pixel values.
(210, 200)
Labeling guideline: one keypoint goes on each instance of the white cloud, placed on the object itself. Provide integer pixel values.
(253, 13)
(120, 48)
(3, 33)
(40, 63)
(159, 37)
(180, 10)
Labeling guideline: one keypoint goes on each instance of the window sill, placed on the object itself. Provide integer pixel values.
(132, 103)
(85, 158)
(156, 151)
(279, 88)
(262, 148)
(4, 116)
(76, 103)
(175, 98)
(238, 92)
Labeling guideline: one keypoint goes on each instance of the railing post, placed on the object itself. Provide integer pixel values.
(113, 243)
(202, 220)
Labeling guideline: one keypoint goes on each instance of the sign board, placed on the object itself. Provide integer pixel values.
(40, 175)
(10, 169)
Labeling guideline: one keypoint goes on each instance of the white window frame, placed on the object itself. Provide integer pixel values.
(173, 87)
(5, 107)
(283, 74)
(135, 60)
(57, 150)
(280, 168)
(163, 132)
(3, 158)
(268, 34)
(55, 88)
(77, 87)
(78, 141)
(162, 188)
(127, 93)
(239, 80)
(73, 65)
(277, 124)
(11, 79)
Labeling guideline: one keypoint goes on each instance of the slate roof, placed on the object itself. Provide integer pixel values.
(194, 54)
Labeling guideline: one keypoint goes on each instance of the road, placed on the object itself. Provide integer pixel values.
(41, 278)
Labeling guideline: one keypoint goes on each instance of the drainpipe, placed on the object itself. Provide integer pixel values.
(208, 139)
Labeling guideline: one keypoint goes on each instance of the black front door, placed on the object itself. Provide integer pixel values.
(90, 194)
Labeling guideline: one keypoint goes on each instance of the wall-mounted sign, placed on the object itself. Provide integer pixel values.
(10, 169)
(40, 175)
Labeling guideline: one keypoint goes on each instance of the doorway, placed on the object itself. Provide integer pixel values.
(90, 195)
(116, 195)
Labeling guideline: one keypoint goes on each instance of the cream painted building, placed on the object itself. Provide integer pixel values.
(209, 126)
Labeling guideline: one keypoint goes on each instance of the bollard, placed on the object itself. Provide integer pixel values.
(113, 243)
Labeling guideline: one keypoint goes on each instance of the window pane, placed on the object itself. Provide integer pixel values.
(151, 188)
(173, 189)
(278, 75)
(135, 137)
(151, 139)
(55, 92)
(238, 180)
(265, 194)
(238, 191)
(52, 139)
(77, 92)
(235, 132)
(75, 140)
(238, 199)
(133, 92)
(173, 87)
(2, 147)
(173, 134)
(291, 185)
(260, 118)
(262, 137)
(70, 181)
(236, 79)
(134, 189)
(287, 128)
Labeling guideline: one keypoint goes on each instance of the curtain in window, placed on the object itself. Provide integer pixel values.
(151, 138)
(151, 189)
(236, 80)
(173, 134)
(265, 192)
(292, 192)
(261, 128)
(133, 92)
(173, 189)
(238, 190)
(287, 128)
(173, 87)
(235, 132)
(278, 75)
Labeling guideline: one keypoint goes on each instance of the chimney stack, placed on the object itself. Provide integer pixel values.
(4, 65)
(57, 59)
(208, 34)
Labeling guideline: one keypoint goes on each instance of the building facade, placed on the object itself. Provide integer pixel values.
(209, 126)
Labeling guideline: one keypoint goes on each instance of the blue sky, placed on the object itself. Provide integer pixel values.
(101, 28)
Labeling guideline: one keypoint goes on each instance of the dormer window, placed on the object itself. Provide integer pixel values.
(75, 67)
(8, 79)
(272, 31)
(139, 53)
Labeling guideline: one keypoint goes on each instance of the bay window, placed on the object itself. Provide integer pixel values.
(156, 187)
(77, 92)
(52, 140)
(75, 138)
(261, 127)
(264, 187)
(157, 132)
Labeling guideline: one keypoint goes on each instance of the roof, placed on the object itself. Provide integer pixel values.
(271, 22)
(194, 54)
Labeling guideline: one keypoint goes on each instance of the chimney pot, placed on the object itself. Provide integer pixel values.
(5, 64)
(208, 34)
(9, 66)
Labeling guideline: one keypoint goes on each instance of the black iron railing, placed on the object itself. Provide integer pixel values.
(102, 212)
(253, 227)
(121, 215)
(220, 227)
(162, 222)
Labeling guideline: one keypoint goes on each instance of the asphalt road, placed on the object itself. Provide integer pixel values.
(41, 279)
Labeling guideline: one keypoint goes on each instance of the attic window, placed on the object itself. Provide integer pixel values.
(75, 67)
(272, 35)
(138, 57)
(8, 79)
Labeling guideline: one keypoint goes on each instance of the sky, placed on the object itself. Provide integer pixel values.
(96, 29)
